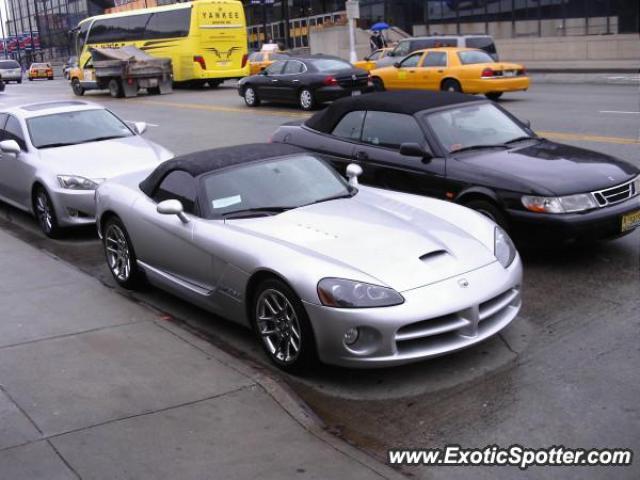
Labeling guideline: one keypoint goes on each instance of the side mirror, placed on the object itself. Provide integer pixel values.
(353, 172)
(140, 127)
(397, 65)
(10, 146)
(264, 72)
(172, 207)
(415, 150)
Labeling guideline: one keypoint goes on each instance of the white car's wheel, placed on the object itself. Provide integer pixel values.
(121, 258)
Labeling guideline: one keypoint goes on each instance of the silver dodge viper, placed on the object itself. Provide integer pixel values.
(271, 237)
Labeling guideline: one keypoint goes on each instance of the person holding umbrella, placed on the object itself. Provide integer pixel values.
(377, 40)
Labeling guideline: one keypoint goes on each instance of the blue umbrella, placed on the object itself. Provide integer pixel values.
(380, 26)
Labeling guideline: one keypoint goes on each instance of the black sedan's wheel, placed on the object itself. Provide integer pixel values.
(76, 87)
(489, 210)
(120, 255)
(493, 95)
(378, 84)
(283, 326)
(451, 85)
(115, 89)
(306, 99)
(251, 97)
(45, 213)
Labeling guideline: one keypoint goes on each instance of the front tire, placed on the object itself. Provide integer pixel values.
(306, 100)
(115, 89)
(45, 213)
(120, 256)
(76, 87)
(489, 210)
(251, 97)
(451, 85)
(283, 326)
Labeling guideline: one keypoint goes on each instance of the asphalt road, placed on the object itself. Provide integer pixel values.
(565, 372)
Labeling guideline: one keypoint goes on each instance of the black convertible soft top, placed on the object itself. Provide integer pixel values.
(205, 161)
(408, 102)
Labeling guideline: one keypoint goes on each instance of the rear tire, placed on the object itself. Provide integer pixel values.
(120, 256)
(283, 326)
(306, 100)
(493, 95)
(115, 88)
(451, 85)
(153, 90)
(251, 97)
(76, 87)
(490, 211)
(378, 84)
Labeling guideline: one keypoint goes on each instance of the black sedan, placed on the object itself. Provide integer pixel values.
(472, 151)
(308, 81)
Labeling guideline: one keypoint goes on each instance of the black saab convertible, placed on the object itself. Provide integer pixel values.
(473, 152)
(308, 81)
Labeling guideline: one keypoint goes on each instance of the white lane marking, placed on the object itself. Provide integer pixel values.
(619, 111)
(148, 124)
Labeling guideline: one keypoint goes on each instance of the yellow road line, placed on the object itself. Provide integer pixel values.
(284, 113)
(589, 138)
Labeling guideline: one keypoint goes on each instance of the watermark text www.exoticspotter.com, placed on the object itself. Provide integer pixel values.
(515, 455)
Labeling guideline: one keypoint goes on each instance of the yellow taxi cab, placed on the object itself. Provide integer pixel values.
(465, 70)
(40, 70)
(370, 62)
(258, 61)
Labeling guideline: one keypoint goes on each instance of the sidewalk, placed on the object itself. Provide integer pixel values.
(93, 385)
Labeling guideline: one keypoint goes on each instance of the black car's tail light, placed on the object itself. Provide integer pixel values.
(330, 81)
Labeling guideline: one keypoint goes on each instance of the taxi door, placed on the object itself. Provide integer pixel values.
(406, 74)
(432, 71)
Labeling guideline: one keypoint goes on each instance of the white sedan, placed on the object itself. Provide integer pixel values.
(53, 156)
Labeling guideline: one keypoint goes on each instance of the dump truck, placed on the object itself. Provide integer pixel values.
(123, 71)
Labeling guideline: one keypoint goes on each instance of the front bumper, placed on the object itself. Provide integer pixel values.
(74, 207)
(547, 229)
(434, 320)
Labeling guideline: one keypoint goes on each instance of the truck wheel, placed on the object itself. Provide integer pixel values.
(76, 87)
(153, 90)
(115, 89)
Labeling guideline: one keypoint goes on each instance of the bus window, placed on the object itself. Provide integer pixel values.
(169, 24)
(81, 37)
(119, 29)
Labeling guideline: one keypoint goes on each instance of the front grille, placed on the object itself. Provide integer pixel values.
(616, 194)
(347, 81)
(448, 330)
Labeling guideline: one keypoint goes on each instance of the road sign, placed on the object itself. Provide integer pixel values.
(353, 9)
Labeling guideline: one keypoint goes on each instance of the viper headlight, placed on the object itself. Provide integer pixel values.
(567, 204)
(342, 293)
(636, 186)
(503, 247)
(74, 182)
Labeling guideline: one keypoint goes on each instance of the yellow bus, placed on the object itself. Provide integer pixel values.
(206, 40)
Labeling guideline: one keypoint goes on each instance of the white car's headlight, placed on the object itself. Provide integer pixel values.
(74, 182)
(567, 204)
(503, 247)
(341, 293)
(636, 186)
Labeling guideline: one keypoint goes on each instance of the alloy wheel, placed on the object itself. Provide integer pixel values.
(278, 326)
(250, 96)
(118, 255)
(44, 212)
(306, 99)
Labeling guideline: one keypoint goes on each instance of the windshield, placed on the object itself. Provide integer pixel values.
(473, 125)
(71, 128)
(471, 57)
(9, 64)
(331, 65)
(280, 184)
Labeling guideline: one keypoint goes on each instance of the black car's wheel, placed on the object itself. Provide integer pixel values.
(451, 85)
(489, 210)
(45, 213)
(76, 87)
(115, 89)
(306, 99)
(283, 326)
(493, 95)
(378, 84)
(251, 97)
(121, 258)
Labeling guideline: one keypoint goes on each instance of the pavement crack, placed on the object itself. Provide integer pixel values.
(504, 340)
(22, 410)
(64, 460)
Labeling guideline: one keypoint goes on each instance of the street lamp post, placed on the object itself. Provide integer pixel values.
(353, 13)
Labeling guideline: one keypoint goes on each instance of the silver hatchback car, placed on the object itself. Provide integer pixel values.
(53, 156)
(10, 71)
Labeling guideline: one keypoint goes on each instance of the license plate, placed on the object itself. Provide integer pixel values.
(630, 221)
(355, 93)
(223, 64)
(509, 73)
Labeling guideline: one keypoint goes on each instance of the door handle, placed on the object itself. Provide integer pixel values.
(440, 71)
(361, 155)
(296, 81)
(274, 81)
